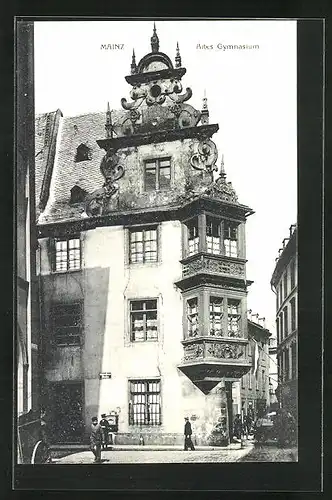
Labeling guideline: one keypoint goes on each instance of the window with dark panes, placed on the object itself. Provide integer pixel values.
(281, 321)
(278, 331)
(280, 291)
(292, 274)
(234, 318)
(294, 357)
(286, 365)
(143, 320)
(143, 245)
(216, 316)
(157, 174)
(293, 314)
(285, 284)
(144, 402)
(230, 239)
(213, 244)
(193, 237)
(192, 317)
(66, 323)
(67, 254)
(285, 321)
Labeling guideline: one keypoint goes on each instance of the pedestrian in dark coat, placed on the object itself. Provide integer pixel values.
(237, 426)
(105, 426)
(96, 439)
(187, 435)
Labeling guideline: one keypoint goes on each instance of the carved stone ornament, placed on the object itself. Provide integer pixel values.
(223, 190)
(155, 92)
(211, 265)
(97, 201)
(193, 351)
(206, 156)
(226, 351)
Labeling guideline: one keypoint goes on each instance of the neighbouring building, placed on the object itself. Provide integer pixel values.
(27, 311)
(143, 265)
(273, 374)
(251, 393)
(284, 283)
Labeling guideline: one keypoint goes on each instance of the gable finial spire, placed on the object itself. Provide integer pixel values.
(177, 57)
(222, 173)
(205, 111)
(154, 40)
(133, 67)
(108, 125)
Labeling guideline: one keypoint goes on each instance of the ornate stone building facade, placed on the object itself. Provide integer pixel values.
(143, 265)
(284, 283)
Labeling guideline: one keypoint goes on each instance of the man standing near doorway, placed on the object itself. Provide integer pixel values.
(187, 435)
(105, 426)
(96, 439)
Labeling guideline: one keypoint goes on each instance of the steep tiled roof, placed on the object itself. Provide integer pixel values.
(73, 131)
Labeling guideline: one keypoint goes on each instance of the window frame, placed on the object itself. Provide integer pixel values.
(54, 253)
(285, 313)
(293, 314)
(131, 413)
(143, 228)
(143, 311)
(157, 162)
(79, 326)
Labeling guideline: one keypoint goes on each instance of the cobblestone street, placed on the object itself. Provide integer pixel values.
(249, 453)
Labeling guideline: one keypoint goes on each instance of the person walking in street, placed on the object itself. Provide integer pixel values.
(96, 439)
(237, 426)
(104, 425)
(187, 435)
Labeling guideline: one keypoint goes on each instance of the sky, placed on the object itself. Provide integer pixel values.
(251, 94)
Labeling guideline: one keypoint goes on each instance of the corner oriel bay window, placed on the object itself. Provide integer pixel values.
(143, 320)
(192, 317)
(234, 318)
(216, 316)
(144, 402)
(213, 241)
(143, 245)
(230, 239)
(193, 237)
(66, 324)
(157, 174)
(66, 254)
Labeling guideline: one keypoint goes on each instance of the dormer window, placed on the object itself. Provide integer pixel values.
(83, 153)
(157, 174)
(77, 194)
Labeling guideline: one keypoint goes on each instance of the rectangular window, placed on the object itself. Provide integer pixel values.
(216, 316)
(157, 174)
(294, 357)
(285, 284)
(256, 380)
(67, 254)
(66, 324)
(293, 314)
(234, 317)
(143, 245)
(263, 380)
(230, 239)
(192, 237)
(213, 244)
(292, 274)
(144, 403)
(285, 321)
(192, 317)
(143, 320)
(243, 383)
(281, 321)
(280, 291)
(250, 380)
(286, 366)
(278, 331)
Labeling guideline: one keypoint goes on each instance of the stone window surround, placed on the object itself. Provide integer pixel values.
(127, 229)
(157, 158)
(127, 334)
(130, 380)
(53, 252)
